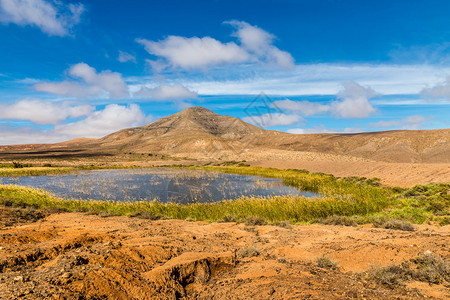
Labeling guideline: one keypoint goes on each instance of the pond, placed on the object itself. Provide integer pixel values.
(164, 185)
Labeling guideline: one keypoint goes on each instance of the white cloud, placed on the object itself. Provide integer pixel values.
(305, 108)
(90, 83)
(439, 91)
(42, 112)
(52, 17)
(323, 129)
(408, 123)
(317, 79)
(97, 124)
(354, 101)
(190, 53)
(164, 92)
(28, 135)
(256, 45)
(126, 57)
(100, 123)
(260, 43)
(315, 129)
(156, 65)
(273, 119)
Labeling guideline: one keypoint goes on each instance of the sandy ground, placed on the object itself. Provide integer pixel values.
(393, 174)
(78, 256)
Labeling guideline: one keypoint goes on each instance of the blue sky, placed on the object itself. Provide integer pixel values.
(88, 68)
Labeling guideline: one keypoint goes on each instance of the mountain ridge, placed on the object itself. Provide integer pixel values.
(199, 133)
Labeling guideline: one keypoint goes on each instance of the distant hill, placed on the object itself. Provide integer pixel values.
(200, 133)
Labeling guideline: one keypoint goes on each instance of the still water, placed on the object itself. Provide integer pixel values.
(164, 185)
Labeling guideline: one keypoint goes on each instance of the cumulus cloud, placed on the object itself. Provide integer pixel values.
(90, 83)
(52, 17)
(126, 57)
(100, 123)
(42, 112)
(354, 101)
(190, 53)
(408, 123)
(28, 135)
(305, 108)
(273, 119)
(164, 92)
(256, 45)
(97, 124)
(439, 91)
(260, 43)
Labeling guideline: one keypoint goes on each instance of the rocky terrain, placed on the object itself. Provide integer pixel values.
(78, 256)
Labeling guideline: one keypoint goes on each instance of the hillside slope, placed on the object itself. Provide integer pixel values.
(199, 133)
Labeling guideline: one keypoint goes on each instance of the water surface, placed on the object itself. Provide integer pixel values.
(164, 185)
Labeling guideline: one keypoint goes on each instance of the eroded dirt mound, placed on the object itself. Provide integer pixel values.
(78, 256)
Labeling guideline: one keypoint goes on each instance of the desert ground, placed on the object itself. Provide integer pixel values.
(47, 254)
(79, 256)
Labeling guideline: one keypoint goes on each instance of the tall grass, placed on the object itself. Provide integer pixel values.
(339, 197)
(36, 171)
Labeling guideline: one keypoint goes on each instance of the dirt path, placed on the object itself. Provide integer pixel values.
(73, 255)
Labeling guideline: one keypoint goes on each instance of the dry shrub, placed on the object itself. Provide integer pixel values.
(253, 220)
(146, 215)
(395, 224)
(325, 262)
(284, 224)
(229, 219)
(248, 252)
(337, 220)
(427, 268)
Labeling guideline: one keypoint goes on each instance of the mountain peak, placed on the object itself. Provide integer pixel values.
(196, 110)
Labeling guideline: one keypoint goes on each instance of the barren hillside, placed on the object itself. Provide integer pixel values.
(199, 133)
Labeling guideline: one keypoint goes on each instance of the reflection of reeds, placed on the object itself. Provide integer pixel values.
(340, 197)
(176, 185)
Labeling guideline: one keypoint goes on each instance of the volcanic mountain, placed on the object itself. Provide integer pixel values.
(197, 132)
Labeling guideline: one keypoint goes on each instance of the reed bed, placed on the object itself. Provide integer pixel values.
(339, 197)
(6, 171)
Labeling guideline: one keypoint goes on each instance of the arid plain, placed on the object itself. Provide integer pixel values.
(72, 255)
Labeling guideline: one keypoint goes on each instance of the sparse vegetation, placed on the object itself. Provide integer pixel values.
(395, 224)
(253, 220)
(325, 262)
(248, 252)
(337, 220)
(427, 267)
(47, 169)
(229, 219)
(284, 224)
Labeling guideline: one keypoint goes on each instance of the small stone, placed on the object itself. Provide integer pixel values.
(66, 275)
(18, 278)
(272, 291)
